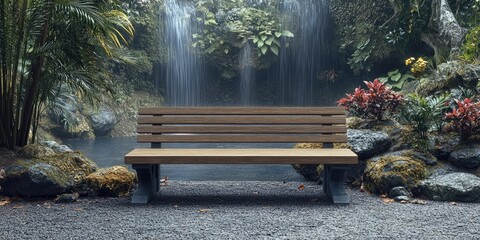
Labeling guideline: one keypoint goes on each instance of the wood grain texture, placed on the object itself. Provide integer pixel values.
(242, 111)
(265, 129)
(244, 138)
(241, 156)
(241, 120)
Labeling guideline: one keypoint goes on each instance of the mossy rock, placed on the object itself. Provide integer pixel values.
(313, 172)
(35, 151)
(111, 182)
(393, 171)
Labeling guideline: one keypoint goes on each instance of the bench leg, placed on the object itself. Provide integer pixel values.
(334, 185)
(148, 182)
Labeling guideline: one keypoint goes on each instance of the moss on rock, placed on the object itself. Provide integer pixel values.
(392, 171)
(113, 182)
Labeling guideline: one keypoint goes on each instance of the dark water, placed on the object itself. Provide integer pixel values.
(108, 152)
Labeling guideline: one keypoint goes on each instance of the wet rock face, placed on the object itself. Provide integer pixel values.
(103, 121)
(468, 156)
(460, 187)
(111, 182)
(37, 180)
(367, 143)
(56, 147)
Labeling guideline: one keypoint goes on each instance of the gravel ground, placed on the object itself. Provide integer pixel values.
(239, 210)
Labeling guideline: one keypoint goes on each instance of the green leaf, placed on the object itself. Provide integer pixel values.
(263, 37)
(383, 79)
(274, 49)
(226, 50)
(264, 49)
(287, 33)
(255, 39)
(260, 43)
(278, 34)
(269, 41)
(392, 73)
(396, 77)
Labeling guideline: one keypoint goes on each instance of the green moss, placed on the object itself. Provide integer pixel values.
(392, 171)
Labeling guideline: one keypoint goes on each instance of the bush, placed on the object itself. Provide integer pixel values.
(465, 118)
(374, 103)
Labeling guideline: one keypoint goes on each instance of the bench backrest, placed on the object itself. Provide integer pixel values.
(241, 125)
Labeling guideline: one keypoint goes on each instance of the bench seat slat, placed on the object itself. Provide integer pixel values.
(244, 138)
(243, 129)
(241, 111)
(241, 156)
(241, 120)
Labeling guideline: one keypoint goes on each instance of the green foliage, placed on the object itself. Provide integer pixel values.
(423, 114)
(395, 79)
(226, 26)
(47, 45)
(471, 46)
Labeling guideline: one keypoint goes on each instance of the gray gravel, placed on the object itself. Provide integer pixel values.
(239, 210)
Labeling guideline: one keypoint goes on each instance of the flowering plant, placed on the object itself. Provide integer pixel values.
(465, 118)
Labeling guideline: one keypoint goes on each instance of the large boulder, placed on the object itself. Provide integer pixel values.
(393, 171)
(426, 158)
(111, 182)
(467, 156)
(367, 143)
(35, 151)
(442, 145)
(461, 187)
(36, 180)
(103, 121)
(45, 175)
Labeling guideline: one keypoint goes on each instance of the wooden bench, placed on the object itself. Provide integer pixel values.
(241, 125)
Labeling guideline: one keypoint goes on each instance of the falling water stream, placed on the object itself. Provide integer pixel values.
(247, 76)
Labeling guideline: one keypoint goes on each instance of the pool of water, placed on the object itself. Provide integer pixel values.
(108, 152)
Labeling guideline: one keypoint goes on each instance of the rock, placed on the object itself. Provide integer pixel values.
(47, 175)
(37, 180)
(103, 121)
(113, 182)
(56, 147)
(367, 143)
(426, 158)
(399, 191)
(402, 199)
(442, 145)
(311, 172)
(467, 156)
(67, 198)
(449, 75)
(35, 151)
(393, 171)
(459, 187)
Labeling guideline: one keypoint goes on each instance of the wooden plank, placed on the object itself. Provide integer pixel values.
(242, 111)
(241, 156)
(243, 129)
(245, 138)
(242, 120)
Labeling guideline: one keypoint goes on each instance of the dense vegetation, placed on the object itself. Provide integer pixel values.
(50, 49)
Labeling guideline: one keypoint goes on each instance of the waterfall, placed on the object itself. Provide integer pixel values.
(184, 71)
(247, 76)
(301, 62)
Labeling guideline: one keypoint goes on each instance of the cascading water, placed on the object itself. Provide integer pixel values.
(184, 71)
(247, 76)
(300, 63)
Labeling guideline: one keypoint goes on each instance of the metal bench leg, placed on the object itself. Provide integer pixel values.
(334, 185)
(148, 182)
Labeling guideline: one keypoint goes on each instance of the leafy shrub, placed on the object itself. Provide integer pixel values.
(423, 114)
(395, 79)
(374, 103)
(465, 118)
(471, 46)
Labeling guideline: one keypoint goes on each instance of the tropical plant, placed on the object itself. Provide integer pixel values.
(417, 66)
(374, 103)
(471, 46)
(465, 118)
(45, 44)
(395, 79)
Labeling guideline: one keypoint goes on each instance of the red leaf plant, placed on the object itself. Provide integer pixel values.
(373, 103)
(465, 118)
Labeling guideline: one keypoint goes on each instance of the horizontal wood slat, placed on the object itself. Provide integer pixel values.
(242, 111)
(241, 156)
(247, 138)
(280, 129)
(242, 120)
